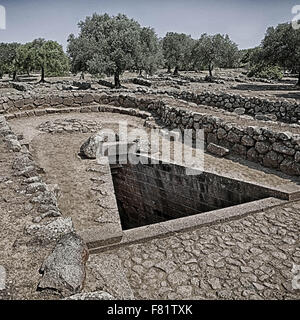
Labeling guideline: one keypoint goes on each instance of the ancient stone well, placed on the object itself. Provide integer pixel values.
(150, 193)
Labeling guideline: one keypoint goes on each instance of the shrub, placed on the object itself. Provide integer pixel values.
(266, 72)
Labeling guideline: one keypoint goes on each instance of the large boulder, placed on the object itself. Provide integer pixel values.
(105, 83)
(90, 148)
(64, 269)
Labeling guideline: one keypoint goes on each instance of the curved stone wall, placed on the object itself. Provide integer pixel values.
(277, 150)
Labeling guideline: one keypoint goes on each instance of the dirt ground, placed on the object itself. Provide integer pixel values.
(58, 155)
(21, 257)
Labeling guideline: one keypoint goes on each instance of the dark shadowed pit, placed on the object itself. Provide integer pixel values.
(150, 193)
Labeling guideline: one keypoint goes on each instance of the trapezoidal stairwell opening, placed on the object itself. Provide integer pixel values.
(152, 193)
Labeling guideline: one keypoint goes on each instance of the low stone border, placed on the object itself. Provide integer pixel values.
(282, 110)
(170, 227)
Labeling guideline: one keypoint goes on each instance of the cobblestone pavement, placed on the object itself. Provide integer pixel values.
(250, 258)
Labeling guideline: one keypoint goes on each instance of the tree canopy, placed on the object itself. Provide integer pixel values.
(111, 45)
(177, 48)
(151, 56)
(8, 52)
(47, 56)
(215, 51)
(281, 46)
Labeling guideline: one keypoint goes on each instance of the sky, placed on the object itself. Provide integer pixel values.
(245, 21)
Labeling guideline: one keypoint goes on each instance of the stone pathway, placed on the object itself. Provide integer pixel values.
(250, 258)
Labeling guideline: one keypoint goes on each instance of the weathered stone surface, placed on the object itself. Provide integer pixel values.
(262, 147)
(280, 148)
(70, 126)
(82, 85)
(247, 141)
(91, 146)
(297, 157)
(97, 295)
(35, 187)
(271, 159)
(12, 143)
(22, 162)
(239, 111)
(290, 167)
(252, 155)
(142, 82)
(233, 137)
(107, 273)
(46, 198)
(64, 269)
(105, 83)
(52, 230)
(21, 86)
(217, 150)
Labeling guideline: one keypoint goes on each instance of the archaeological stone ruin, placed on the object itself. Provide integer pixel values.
(139, 165)
(252, 165)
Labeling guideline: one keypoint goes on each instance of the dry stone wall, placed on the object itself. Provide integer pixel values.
(277, 150)
(262, 109)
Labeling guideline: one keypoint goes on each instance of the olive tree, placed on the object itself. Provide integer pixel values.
(150, 57)
(8, 52)
(281, 46)
(176, 49)
(46, 56)
(215, 51)
(107, 45)
(80, 51)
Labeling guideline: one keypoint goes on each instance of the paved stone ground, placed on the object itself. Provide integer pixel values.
(250, 258)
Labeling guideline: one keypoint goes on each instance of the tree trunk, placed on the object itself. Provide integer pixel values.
(176, 73)
(14, 77)
(298, 83)
(43, 75)
(117, 80)
(210, 69)
(82, 76)
(169, 69)
(140, 72)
